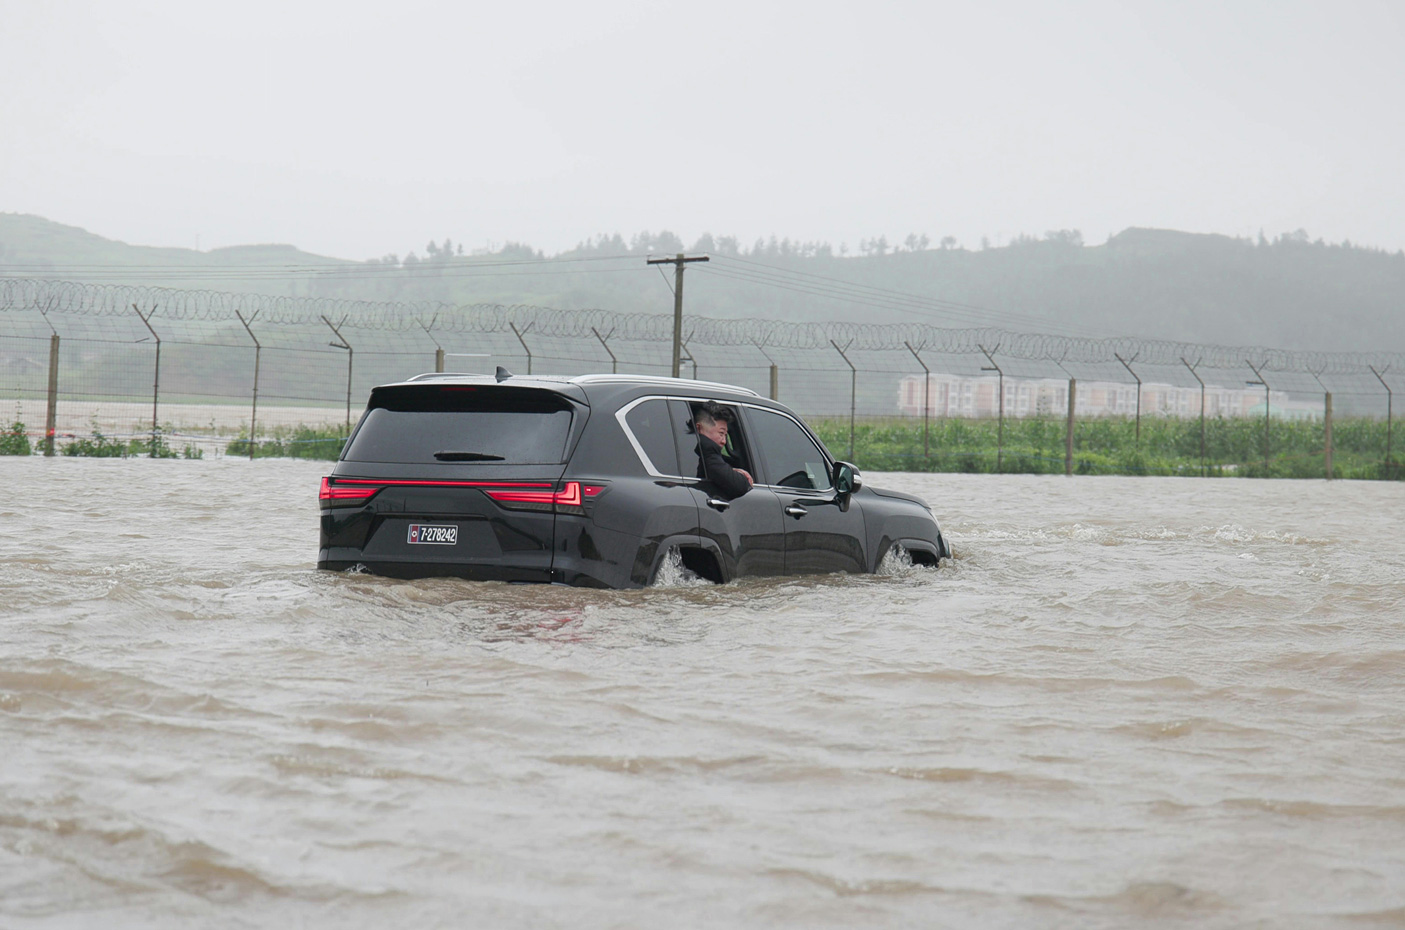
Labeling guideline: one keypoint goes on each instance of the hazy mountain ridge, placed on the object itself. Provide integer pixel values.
(1287, 291)
(29, 242)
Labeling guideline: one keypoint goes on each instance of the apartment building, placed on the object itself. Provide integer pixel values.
(957, 396)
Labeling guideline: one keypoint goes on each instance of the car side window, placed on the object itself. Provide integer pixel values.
(680, 417)
(649, 423)
(792, 458)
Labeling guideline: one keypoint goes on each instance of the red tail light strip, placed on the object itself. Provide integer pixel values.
(331, 492)
(362, 489)
(570, 496)
(415, 483)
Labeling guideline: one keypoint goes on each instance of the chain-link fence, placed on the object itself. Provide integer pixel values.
(199, 368)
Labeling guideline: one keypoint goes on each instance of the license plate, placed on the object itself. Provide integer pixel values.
(433, 534)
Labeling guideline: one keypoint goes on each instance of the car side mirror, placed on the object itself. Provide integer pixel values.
(847, 479)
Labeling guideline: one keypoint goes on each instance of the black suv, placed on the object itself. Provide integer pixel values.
(592, 481)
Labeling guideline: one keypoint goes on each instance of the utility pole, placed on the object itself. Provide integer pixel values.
(678, 264)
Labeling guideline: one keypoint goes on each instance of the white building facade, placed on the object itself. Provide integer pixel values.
(957, 396)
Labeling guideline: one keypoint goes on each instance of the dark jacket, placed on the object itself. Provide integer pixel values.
(714, 467)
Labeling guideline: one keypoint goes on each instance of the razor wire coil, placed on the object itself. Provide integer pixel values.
(67, 298)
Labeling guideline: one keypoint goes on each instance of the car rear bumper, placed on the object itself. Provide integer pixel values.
(530, 568)
(585, 555)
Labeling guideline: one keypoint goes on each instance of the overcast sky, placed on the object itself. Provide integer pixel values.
(356, 129)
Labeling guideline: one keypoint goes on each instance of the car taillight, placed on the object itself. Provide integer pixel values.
(570, 499)
(347, 493)
(520, 495)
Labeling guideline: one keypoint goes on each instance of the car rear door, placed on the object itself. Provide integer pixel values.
(648, 507)
(745, 532)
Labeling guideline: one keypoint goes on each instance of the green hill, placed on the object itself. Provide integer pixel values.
(1288, 291)
(31, 246)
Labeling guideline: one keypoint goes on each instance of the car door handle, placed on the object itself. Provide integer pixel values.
(717, 503)
(794, 510)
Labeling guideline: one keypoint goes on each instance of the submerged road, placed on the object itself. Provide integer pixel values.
(1128, 701)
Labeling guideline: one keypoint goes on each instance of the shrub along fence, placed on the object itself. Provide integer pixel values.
(1111, 446)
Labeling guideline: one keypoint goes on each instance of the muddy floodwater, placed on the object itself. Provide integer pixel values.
(1127, 702)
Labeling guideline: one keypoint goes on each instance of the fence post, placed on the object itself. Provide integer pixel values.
(1326, 423)
(926, 401)
(438, 349)
(1266, 410)
(156, 385)
(524, 342)
(258, 350)
(775, 373)
(350, 356)
(1068, 435)
(853, 390)
(687, 354)
(1327, 434)
(1000, 433)
(1197, 377)
(1126, 363)
(51, 416)
(1389, 398)
(614, 362)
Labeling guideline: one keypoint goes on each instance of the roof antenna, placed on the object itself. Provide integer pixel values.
(503, 374)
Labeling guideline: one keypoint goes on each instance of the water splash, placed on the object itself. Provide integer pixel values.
(897, 563)
(673, 574)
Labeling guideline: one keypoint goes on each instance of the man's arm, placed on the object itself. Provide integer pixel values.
(733, 482)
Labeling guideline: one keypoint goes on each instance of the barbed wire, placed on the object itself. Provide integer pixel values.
(118, 300)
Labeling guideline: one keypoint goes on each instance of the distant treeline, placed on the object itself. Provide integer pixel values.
(1288, 291)
(665, 242)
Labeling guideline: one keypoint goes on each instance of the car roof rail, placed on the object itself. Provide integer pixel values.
(485, 379)
(660, 380)
(440, 375)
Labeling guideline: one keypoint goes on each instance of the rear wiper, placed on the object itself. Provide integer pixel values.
(467, 457)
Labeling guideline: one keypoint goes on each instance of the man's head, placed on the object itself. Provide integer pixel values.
(710, 420)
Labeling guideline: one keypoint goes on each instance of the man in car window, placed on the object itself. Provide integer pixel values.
(710, 423)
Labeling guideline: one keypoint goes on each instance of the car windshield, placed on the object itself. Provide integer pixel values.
(455, 423)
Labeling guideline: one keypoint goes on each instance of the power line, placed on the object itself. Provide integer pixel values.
(920, 299)
(811, 274)
(874, 297)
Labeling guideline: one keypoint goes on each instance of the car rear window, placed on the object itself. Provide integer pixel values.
(463, 424)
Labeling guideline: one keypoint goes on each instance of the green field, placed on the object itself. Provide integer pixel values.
(1105, 446)
(1110, 446)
